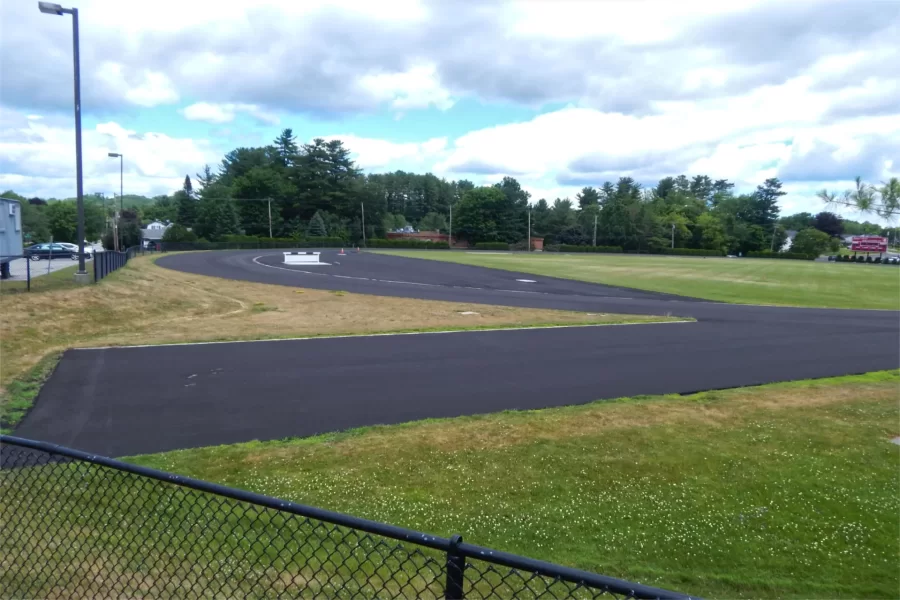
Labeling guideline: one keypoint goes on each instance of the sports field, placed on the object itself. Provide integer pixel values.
(743, 281)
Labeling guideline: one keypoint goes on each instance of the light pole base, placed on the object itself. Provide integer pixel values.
(83, 278)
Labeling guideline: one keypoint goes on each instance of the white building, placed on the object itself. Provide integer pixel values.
(153, 232)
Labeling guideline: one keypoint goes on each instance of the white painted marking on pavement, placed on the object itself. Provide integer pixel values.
(527, 280)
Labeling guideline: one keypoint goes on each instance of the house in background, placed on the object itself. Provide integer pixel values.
(789, 240)
(153, 233)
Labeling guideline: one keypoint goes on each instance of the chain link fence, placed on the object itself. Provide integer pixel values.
(110, 261)
(78, 525)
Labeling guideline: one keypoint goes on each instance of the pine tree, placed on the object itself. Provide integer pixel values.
(206, 178)
(217, 215)
(187, 187)
(317, 226)
(766, 203)
(186, 212)
(286, 147)
(588, 197)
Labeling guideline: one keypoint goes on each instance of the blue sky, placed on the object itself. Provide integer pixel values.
(559, 94)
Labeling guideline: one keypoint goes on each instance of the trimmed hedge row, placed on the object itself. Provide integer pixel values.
(491, 246)
(251, 243)
(691, 252)
(414, 244)
(862, 259)
(574, 248)
(785, 255)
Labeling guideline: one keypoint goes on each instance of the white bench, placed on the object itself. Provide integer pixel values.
(301, 258)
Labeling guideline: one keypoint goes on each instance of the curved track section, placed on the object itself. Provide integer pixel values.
(206, 394)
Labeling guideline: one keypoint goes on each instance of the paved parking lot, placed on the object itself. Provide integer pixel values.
(18, 268)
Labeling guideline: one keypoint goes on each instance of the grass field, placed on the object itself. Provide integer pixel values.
(146, 304)
(779, 491)
(744, 281)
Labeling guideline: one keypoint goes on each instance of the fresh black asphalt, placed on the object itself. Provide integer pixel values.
(123, 401)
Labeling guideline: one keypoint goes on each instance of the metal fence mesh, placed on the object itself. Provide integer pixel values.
(72, 528)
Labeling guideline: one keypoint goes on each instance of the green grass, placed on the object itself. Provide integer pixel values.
(57, 280)
(744, 281)
(21, 392)
(778, 491)
(786, 490)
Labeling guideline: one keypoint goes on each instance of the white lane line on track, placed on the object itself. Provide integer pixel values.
(388, 334)
(408, 282)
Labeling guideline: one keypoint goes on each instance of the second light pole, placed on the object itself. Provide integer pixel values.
(121, 205)
(121, 171)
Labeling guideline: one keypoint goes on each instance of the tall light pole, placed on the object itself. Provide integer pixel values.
(121, 172)
(121, 202)
(55, 9)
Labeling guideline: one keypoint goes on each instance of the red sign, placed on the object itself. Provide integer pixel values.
(869, 244)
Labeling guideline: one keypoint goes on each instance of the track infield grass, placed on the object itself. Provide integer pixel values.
(736, 280)
(782, 490)
(146, 304)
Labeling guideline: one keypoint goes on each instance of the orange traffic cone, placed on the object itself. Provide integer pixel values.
(341, 253)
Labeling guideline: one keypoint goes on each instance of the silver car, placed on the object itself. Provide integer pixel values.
(88, 249)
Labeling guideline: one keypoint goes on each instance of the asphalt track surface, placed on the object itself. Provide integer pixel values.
(123, 401)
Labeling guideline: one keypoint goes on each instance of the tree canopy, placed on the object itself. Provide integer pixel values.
(292, 189)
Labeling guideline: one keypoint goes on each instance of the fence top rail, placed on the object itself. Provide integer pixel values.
(577, 576)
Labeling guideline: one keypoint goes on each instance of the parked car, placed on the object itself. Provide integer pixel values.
(49, 252)
(88, 249)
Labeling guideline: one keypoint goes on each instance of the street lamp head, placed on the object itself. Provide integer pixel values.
(50, 8)
(114, 155)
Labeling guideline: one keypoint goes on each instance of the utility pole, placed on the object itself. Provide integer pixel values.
(362, 208)
(774, 230)
(673, 236)
(270, 217)
(529, 229)
(594, 243)
(450, 230)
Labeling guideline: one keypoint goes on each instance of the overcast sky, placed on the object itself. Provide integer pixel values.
(559, 94)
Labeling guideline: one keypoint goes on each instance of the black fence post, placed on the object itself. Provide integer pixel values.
(27, 273)
(96, 258)
(456, 567)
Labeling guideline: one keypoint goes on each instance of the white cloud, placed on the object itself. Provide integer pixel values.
(418, 87)
(226, 113)
(371, 153)
(38, 158)
(143, 88)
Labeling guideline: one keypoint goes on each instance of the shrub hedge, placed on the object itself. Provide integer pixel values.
(414, 244)
(691, 252)
(251, 243)
(574, 248)
(784, 255)
(491, 246)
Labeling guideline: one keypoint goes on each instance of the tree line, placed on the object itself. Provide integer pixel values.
(315, 190)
